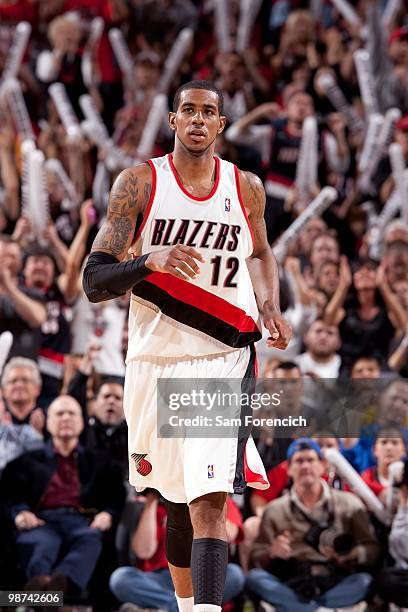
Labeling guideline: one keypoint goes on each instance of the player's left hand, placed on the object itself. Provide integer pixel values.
(280, 331)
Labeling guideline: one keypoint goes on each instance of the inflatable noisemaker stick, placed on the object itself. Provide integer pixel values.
(221, 22)
(391, 117)
(16, 52)
(306, 169)
(95, 33)
(384, 138)
(98, 133)
(55, 166)
(346, 471)
(370, 146)
(115, 159)
(122, 54)
(347, 11)
(391, 9)
(248, 11)
(152, 126)
(316, 207)
(92, 114)
(366, 81)
(27, 146)
(65, 111)
(390, 209)
(398, 166)
(15, 100)
(380, 222)
(175, 59)
(336, 97)
(6, 340)
(38, 193)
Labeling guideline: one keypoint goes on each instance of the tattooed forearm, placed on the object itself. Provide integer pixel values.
(114, 235)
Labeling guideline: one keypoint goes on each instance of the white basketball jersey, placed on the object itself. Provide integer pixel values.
(216, 312)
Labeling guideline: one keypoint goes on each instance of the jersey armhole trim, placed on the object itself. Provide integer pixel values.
(151, 200)
(238, 187)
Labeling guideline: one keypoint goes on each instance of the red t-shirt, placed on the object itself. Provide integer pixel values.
(234, 516)
(20, 10)
(370, 477)
(159, 560)
(278, 479)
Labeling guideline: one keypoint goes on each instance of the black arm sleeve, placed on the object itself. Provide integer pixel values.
(105, 278)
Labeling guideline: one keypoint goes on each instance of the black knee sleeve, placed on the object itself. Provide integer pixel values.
(209, 560)
(179, 535)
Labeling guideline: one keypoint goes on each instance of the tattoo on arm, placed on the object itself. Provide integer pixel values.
(124, 194)
(114, 235)
(128, 197)
(147, 193)
(256, 203)
(256, 196)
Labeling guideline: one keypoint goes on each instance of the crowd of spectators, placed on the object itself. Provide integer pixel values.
(68, 519)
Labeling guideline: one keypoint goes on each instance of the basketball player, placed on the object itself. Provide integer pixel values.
(194, 224)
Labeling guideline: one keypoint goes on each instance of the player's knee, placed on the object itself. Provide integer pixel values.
(179, 535)
(208, 515)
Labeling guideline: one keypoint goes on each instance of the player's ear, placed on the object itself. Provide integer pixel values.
(172, 120)
(223, 121)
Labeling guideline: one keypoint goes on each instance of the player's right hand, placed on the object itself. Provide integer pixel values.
(178, 260)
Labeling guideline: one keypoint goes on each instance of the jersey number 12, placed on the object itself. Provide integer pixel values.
(232, 264)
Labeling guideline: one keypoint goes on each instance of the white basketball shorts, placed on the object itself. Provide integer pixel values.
(182, 469)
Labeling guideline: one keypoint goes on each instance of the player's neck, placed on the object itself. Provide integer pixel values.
(192, 168)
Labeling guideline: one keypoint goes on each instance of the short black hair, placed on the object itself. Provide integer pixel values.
(287, 365)
(390, 430)
(36, 250)
(199, 85)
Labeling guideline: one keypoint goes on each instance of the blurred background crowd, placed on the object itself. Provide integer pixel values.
(69, 520)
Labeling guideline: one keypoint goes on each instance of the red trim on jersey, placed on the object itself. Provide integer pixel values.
(241, 201)
(48, 353)
(184, 190)
(151, 199)
(203, 300)
(253, 477)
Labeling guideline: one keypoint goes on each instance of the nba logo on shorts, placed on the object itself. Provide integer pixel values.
(227, 208)
(210, 471)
